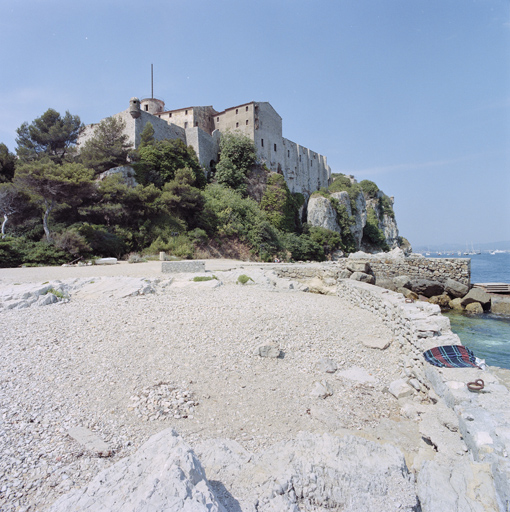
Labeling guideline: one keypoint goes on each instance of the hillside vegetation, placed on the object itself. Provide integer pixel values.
(59, 205)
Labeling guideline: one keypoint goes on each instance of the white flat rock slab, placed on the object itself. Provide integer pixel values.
(357, 374)
(90, 441)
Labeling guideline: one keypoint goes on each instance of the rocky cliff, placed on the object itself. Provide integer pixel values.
(361, 213)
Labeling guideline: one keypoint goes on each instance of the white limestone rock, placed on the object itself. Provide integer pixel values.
(322, 214)
(311, 472)
(164, 474)
(321, 389)
(400, 388)
(268, 351)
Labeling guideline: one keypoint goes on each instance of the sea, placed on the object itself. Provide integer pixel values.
(487, 335)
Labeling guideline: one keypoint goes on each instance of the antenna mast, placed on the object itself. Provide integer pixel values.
(152, 81)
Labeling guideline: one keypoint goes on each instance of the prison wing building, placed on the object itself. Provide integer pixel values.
(304, 170)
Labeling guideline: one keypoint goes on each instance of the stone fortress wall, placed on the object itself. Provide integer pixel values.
(305, 171)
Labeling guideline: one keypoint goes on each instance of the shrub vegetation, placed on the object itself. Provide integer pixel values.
(175, 207)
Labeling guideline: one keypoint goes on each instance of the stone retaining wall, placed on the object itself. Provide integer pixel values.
(437, 269)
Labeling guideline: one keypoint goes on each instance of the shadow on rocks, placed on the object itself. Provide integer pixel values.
(224, 496)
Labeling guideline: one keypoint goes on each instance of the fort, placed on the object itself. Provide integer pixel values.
(304, 170)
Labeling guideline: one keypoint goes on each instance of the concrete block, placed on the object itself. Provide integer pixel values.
(174, 267)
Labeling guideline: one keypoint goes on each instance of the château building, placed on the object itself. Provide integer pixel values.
(200, 127)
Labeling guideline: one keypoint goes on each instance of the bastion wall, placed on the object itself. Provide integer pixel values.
(440, 269)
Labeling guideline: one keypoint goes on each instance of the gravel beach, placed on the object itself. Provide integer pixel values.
(183, 357)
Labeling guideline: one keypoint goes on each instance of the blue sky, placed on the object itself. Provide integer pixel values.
(412, 94)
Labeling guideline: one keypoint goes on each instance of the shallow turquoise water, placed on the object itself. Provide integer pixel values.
(488, 336)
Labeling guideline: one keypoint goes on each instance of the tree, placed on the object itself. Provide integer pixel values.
(147, 135)
(9, 202)
(108, 147)
(279, 204)
(51, 184)
(158, 162)
(49, 135)
(182, 199)
(7, 164)
(237, 156)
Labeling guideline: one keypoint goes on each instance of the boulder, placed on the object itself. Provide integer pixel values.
(477, 295)
(443, 300)
(385, 282)
(345, 274)
(362, 277)
(474, 308)
(402, 282)
(164, 474)
(455, 289)
(500, 305)
(106, 261)
(408, 294)
(456, 304)
(426, 287)
(358, 266)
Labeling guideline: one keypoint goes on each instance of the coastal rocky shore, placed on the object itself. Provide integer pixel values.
(212, 395)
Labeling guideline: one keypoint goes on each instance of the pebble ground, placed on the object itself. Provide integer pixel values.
(182, 358)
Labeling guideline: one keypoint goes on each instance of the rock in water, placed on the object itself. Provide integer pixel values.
(455, 289)
(477, 295)
(164, 474)
(427, 287)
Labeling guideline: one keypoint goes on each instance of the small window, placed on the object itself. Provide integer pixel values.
(275, 147)
(186, 112)
(146, 108)
(159, 116)
(246, 109)
(217, 119)
(237, 111)
(246, 122)
(196, 123)
(170, 115)
(185, 124)
(288, 153)
(262, 142)
(237, 125)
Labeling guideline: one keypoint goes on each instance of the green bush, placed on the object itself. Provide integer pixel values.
(302, 247)
(372, 233)
(278, 203)
(386, 206)
(11, 252)
(198, 279)
(243, 279)
(57, 293)
(42, 254)
(179, 246)
(103, 241)
(369, 188)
